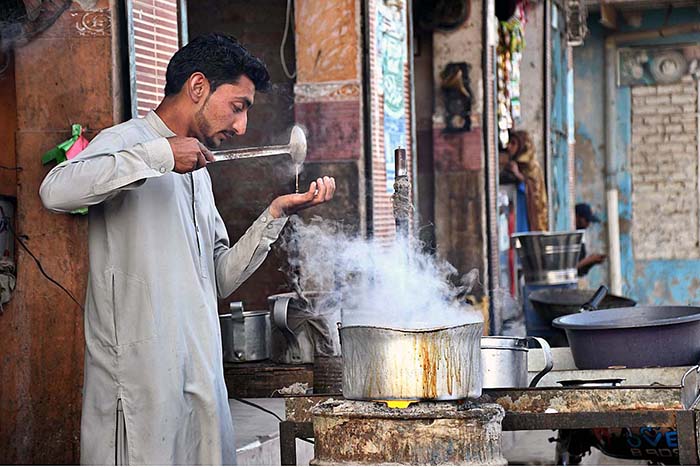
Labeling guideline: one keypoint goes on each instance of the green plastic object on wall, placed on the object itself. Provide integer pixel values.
(67, 150)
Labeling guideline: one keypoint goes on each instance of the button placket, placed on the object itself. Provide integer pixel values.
(200, 252)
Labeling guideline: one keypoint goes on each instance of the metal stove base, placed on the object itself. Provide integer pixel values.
(425, 433)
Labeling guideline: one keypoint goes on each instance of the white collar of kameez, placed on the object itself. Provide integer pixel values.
(161, 128)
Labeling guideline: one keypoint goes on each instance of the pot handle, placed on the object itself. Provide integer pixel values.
(279, 316)
(593, 303)
(236, 309)
(548, 360)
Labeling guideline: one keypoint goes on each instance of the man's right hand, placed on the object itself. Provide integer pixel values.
(189, 154)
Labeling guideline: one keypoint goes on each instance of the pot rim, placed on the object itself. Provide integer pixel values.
(248, 314)
(307, 294)
(412, 331)
(502, 343)
(541, 233)
(614, 318)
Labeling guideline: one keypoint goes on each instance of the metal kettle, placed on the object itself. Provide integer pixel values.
(504, 361)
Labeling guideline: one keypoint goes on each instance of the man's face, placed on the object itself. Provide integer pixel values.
(224, 112)
(582, 222)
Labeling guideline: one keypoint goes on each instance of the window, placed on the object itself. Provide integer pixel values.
(155, 34)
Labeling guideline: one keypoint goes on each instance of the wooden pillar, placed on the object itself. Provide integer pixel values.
(459, 157)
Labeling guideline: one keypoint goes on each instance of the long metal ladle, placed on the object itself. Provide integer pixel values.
(296, 148)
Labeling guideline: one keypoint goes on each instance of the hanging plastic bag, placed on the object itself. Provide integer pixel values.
(68, 150)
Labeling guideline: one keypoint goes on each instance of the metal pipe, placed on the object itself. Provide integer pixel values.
(402, 196)
(490, 154)
(412, 90)
(400, 162)
(611, 191)
(547, 91)
(570, 134)
(611, 169)
(367, 118)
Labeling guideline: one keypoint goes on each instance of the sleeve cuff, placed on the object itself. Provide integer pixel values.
(160, 155)
(273, 226)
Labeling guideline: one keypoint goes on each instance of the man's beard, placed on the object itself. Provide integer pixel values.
(203, 126)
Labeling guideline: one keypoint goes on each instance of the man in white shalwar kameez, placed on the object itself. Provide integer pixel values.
(154, 389)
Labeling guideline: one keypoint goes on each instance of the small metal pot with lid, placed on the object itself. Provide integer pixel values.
(245, 335)
(504, 361)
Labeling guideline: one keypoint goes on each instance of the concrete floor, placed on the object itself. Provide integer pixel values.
(257, 434)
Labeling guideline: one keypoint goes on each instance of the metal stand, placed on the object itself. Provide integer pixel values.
(289, 432)
(560, 408)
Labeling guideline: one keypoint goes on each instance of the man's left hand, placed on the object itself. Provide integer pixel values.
(320, 191)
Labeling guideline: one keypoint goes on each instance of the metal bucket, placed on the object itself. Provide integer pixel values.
(549, 257)
(400, 364)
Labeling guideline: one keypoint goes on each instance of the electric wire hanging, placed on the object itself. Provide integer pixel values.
(284, 42)
(41, 267)
(270, 412)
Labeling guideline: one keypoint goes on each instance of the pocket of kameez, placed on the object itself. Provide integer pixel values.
(133, 313)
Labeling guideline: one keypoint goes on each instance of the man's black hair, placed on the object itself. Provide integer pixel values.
(221, 58)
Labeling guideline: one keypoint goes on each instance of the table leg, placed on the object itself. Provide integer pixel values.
(288, 443)
(687, 437)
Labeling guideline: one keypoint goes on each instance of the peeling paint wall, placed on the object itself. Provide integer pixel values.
(41, 329)
(460, 223)
(560, 205)
(647, 281)
(590, 140)
(464, 44)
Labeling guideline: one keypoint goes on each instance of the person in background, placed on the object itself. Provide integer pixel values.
(522, 167)
(584, 218)
(154, 390)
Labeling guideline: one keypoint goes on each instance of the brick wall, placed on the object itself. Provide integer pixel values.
(665, 171)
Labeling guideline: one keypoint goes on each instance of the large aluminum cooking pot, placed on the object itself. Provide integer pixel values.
(245, 335)
(552, 303)
(504, 361)
(400, 364)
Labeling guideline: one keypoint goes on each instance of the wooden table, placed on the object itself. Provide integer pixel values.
(263, 379)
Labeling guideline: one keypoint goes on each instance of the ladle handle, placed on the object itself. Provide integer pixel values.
(548, 360)
(248, 153)
(595, 301)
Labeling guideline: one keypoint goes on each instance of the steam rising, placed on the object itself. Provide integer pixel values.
(396, 286)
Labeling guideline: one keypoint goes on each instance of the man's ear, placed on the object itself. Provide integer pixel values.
(197, 87)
